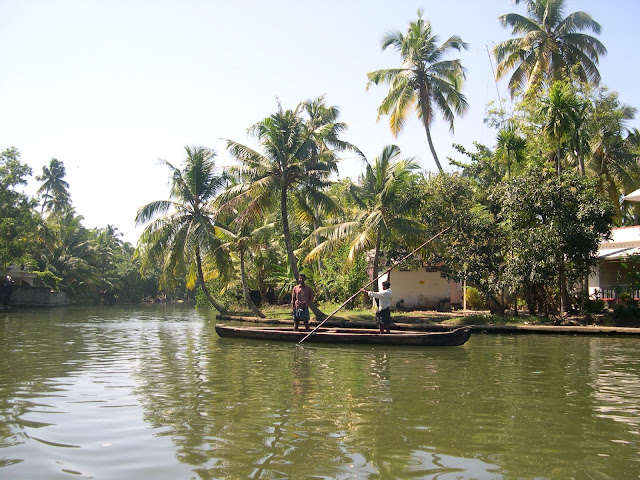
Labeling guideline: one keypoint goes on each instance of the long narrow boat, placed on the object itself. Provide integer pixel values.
(450, 338)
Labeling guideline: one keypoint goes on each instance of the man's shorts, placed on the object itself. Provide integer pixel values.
(301, 314)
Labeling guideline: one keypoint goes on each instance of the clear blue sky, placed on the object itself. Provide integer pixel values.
(110, 86)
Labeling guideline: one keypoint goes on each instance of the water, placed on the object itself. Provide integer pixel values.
(153, 393)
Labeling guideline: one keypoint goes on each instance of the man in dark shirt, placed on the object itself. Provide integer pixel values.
(301, 298)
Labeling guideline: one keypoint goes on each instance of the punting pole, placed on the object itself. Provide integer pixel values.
(371, 282)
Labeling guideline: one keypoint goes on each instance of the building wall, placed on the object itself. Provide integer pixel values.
(422, 289)
(24, 296)
(21, 276)
(608, 278)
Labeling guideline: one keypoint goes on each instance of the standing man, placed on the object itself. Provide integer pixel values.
(301, 298)
(383, 301)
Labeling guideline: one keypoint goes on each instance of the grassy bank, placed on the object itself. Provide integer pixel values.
(420, 317)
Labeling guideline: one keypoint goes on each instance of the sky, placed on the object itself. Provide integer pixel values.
(109, 87)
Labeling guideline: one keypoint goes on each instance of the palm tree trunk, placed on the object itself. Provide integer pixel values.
(424, 103)
(564, 296)
(433, 150)
(293, 263)
(580, 158)
(203, 285)
(316, 225)
(245, 289)
(46, 195)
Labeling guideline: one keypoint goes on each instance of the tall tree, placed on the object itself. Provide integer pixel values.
(292, 159)
(68, 253)
(180, 234)
(560, 112)
(385, 204)
(510, 147)
(243, 238)
(54, 189)
(551, 45)
(554, 222)
(17, 220)
(425, 81)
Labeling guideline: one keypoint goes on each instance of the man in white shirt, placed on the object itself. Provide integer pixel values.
(383, 300)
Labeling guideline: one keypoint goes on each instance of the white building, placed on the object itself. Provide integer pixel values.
(608, 280)
(423, 289)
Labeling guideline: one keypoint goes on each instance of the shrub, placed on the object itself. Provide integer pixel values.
(475, 299)
(595, 306)
(626, 313)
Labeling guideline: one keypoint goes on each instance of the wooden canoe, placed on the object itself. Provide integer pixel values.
(450, 338)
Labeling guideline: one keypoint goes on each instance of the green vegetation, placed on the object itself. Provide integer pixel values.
(523, 220)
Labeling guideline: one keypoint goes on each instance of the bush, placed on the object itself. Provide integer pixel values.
(595, 306)
(626, 313)
(475, 299)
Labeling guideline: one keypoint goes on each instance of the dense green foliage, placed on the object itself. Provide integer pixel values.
(18, 220)
(92, 266)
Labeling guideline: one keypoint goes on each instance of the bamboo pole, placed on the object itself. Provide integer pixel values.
(371, 282)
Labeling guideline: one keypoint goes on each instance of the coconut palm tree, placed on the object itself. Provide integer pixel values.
(321, 122)
(425, 80)
(384, 203)
(242, 238)
(311, 208)
(67, 253)
(292, 159)
(551, 45)
(180, 234)
(560, 111)
(615, 160)
(54, 189)
(510, 147)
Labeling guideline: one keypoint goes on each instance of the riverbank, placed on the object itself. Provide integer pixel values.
(479, 322)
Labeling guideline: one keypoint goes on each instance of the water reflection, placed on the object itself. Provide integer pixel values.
(154, 393)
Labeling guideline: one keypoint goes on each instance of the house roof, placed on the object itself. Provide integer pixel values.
(624, 241)
(611, 253)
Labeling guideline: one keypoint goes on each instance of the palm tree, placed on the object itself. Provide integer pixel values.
(551, 44)
(54, 189)
(180, 234)
(243, 238)
(384, 204)
(560, 111)
(580, 138)
(292, 159)
(510, 148)
(311, 208)
(67, 253)
(424, 81)
(106, 245)
(615, 160)
(321, 122)
(311, 204)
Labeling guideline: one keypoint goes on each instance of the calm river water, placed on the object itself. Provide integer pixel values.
(153, 393)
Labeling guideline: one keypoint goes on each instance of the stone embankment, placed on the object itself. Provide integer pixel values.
(25, 296)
